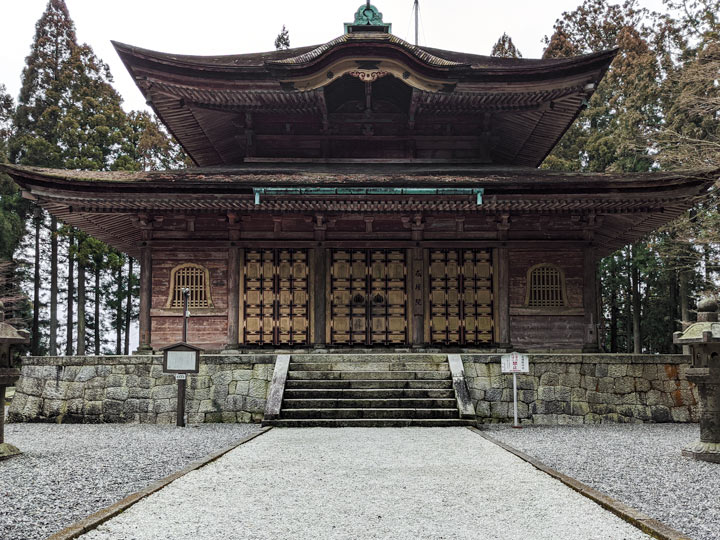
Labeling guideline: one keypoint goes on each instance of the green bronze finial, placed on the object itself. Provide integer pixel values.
(368, 15)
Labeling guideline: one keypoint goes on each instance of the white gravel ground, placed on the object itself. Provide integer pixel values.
(68, 472)
(640, 465)
(367, 483)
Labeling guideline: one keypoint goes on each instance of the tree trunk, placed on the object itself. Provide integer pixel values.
(52, 349)
(614, 311)
(670, 348)
(35, 344)
(97, 310)
(628, 308)
(128, 306)
(637, 338)
(118, 312)
(81, 310)
(70, 295)
(685, 298)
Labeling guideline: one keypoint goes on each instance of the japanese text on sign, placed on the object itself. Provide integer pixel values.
(515, 363)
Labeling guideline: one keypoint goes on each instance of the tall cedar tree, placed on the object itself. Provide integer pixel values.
(38, 135)
(505, 48)
(613, 133)
(282, 41)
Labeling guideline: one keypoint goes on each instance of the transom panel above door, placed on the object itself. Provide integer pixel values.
(367, 301)
(461, 297)
(275, 300)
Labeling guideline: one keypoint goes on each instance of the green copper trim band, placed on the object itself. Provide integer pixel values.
(478, 192)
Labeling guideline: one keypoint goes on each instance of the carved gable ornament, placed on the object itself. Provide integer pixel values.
(367, 15)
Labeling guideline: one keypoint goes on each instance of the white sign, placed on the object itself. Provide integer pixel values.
(180, 376)
(181, 360)
(515, 363)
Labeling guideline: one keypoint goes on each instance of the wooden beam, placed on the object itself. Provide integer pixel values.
(502, 278)
(233, 299)
(590, 340)
(145, 298)
(319, 284)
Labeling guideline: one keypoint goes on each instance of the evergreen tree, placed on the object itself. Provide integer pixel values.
(282, 41)
(505, 48)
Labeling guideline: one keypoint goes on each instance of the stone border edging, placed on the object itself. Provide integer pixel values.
(643, 522)
(101, 516)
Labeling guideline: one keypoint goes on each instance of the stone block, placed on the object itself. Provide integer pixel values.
(213, 417)
(507, 394)
(94, 394)
(477, 395)
(526, 382)
(617, 370)
(527, 396)
(634, 370)
(195, 418)
(242, 388)
(579, 408)
(166, 418)
(148, 418)
(139, 393)
(589, 383)
(629, 399)
(499, 409)
(207, 405)
(242, 374)
(234, 403)
(164, 392)
(482, 383)
(119, 394)
(145, 405)
(563, 393)
(587, 369)
(112, 408)
(74, 390)
(567, 420)
(650, 372)
(198, 381)
(595, 397)
(222, 378)
(641, 385)
(601, 370)
(549, 379)
(482, 409)
(32, 386)
(606, 384)
(557, 407)
(660, 413)
(145, 381)
(260, 371)
(97, 382)
(93, 408)
(254, 405)
(258, 389)
(103, 371)
(244, 417)
(578, 394)
(120, 370)
(163, 405)
(680, 414)
(593, 418)
(493, 394)
(75, 407)
(624, 385)
(482, 371)
(546, 393)
(54, 389)
(164, 380)
(571, 380)
(52, 408)
(229, 417)
(573, 369)
(653, 397)
(131, 407)
(470, 371)
(641, 412)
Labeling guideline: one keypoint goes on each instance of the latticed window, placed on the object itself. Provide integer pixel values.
(194, 278)
(546, 286)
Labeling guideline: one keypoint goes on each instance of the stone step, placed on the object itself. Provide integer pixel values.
(345, 403)
(330, 375)
(340, 413)
(371, 422)
(369, 393)
(369, 366)
(372, 383)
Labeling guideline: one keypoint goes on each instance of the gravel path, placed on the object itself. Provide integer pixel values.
(404, 483)
(67, 472)
(639, 465)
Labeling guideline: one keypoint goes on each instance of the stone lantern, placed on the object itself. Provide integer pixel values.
(703, 338)
(8, 373)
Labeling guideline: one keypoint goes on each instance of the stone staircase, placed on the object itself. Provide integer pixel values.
(368, 390)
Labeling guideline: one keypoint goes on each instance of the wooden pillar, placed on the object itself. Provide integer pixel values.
(233, 291)
(503, 297)
(417, 271)
(319, 284)
(590, 340)
(145, 297)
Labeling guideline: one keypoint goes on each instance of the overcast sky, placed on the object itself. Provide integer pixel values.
(207, 27)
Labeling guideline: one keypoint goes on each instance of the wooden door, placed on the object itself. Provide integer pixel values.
(461, 299)
(275, 297)
(368, 297)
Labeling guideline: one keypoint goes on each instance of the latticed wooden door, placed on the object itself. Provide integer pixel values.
(461, 297)
(368, 297)
(275, 297)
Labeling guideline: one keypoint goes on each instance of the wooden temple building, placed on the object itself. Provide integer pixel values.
(366, 193)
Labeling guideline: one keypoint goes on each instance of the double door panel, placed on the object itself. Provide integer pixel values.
(368, 297)
(276, 297)
(461, 297)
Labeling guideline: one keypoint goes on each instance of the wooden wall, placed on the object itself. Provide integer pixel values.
(207, 328)
(547, 328)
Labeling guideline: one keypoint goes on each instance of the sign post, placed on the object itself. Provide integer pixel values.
(515, 363)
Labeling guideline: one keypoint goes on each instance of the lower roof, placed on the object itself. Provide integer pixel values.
(107, 204)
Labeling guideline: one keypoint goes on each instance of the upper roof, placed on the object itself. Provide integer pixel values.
(365, 94)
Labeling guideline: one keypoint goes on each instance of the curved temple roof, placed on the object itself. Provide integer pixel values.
(401, 101)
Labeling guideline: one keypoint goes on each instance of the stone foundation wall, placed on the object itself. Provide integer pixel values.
(584, 389)
(560, 389)
(228, 388)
